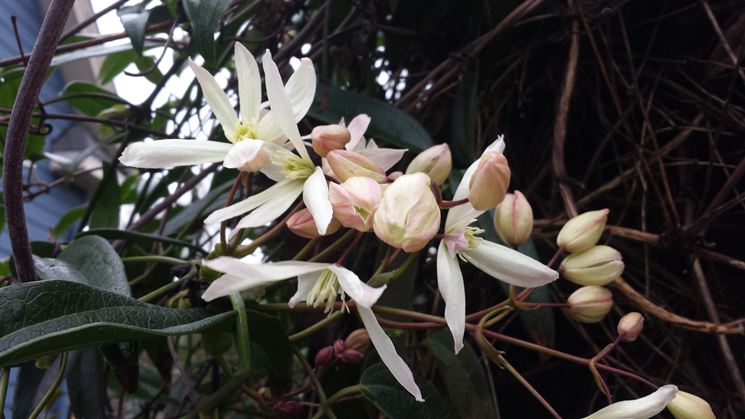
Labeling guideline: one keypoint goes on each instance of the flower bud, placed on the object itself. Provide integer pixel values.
(350, 356)
(324, 356)
(302, 224)
(583, 231)
(689, 406)
(630, 326)
(408, 216)
(339, 346)
(436, 161)
(358, 340)
(355, 202)
(394, 175)
(513, 219)
(590, 304)
(346, 164)
(288, 407)
(326, 138)
(598, 265)
(489, 182)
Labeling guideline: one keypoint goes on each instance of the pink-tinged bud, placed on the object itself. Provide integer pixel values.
(326, 138)
(355, 202)
(583, 231)
(289, 407)
(346, 164)
(339, 346)
(302, 224)
(324, 356)
(408, 216)
(689, 406)
(590, 304)
(489, 182)
(513, 219)
(436, 161)
(598, 265)
(630, 326)
(358, 340)
(394, 175)
(350, 356)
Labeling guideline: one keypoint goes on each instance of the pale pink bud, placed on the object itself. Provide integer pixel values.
(689, 406)
(598, 265)
(513, 219)
(324, 356)
(436, 161)
(394, 175)
(590, 304)
(355, 202)
(630, 326)
(326, 138)
(358, 340)
(346, 164)
(489, 182)
(583, 231)
(408, 216)
(302, 224)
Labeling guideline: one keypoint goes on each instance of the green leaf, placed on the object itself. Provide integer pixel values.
(270, 345)
(86, 386)
(463, 375)
(387, 123)
(106, 211)
(463, 120)
(381, 389)
(98, 264)
(204, 17)
(134, 19)
(89, 98)
(46, 317)
(67, 221)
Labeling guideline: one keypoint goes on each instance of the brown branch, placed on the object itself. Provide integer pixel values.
(20, 121)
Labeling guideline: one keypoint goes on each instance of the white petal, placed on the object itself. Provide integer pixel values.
(460, 216)
(385, 158)
(216, 98)
(226, 285)
(301, 88)
(388, 354)
(242, 152)
(316, 198)
(305, 284)
(450, 283)
(363, 294)
(357, 127)
(642, 408)
(268, 130)
(270, 210)
(254, 201)
(509, 265)
(249, 83)
(281, 107)
(162, 154)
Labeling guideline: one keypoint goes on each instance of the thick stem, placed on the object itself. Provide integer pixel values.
(20, 121)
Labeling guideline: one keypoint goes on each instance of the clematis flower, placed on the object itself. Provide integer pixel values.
(643, 408)
(318, 283)
(248, 131)
(501, 262)
(297, 172)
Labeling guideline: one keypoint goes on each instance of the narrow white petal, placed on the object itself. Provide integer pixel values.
(357, 127)
(270, 210)
(242, 152)
(252, 202)
(316, 198)
(216, 98)
(388, 354)
(363, 294)
(385, 158)
(450, 283)
(509, 265)
(460, 216)
(305, 284)
(249, 83)
(643, 408)
(228, 284)
(162, 154)
(268, 129)
(281, 106)
(301, 88)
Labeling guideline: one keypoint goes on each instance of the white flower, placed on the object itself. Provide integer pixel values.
(642, 408)
(318, 283)
(501, 262)
(248, 133)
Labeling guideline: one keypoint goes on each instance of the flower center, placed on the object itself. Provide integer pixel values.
(297, 168)
(459, 240)
(324, 291)
(470, 234)
(243, 131)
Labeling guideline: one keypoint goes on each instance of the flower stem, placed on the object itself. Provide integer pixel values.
(52, 389)
(156, 258)
(169, 286)
(4, 379)
(314, 328)
(346, 391)
(515, 373)
(242, 337)
(333, 247)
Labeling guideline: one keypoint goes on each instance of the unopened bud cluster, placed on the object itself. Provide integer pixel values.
(349, 351)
